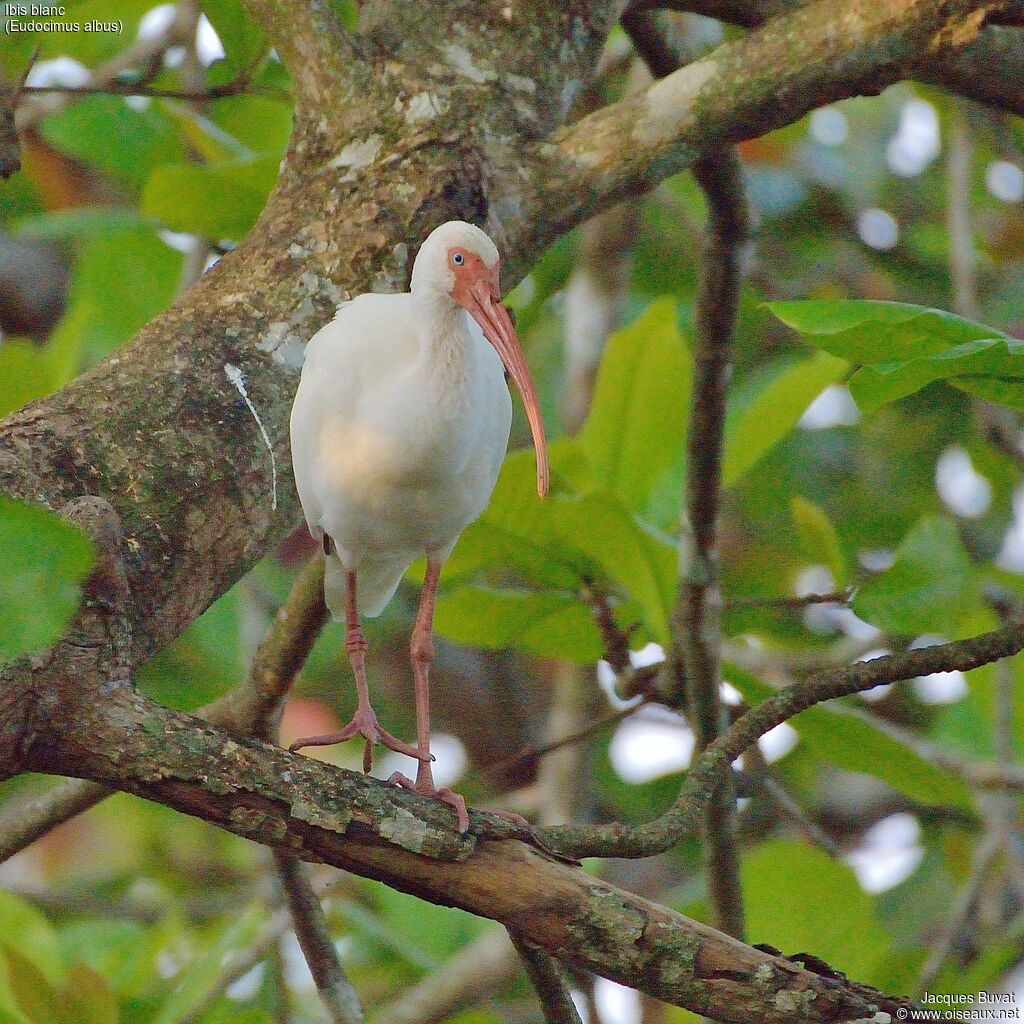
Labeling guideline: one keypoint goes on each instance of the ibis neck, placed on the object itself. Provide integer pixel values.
(445, 341)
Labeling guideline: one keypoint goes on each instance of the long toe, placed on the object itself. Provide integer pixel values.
(393, 743)
(327, 740)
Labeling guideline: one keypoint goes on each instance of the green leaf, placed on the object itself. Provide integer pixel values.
(106, 133)
(35, 935)
(29, 974)
(637, 425)
(929, 587)
(219, 200)
(994, 389)
(874, 386)
(484, 544)
(258, 122)
(44, 560)
(26, 373)
(122, 280)
(818, 538)
(199, 979)
(551, 625)
(791, 894)
(87, 999)
(78, 223)
(842, 736)
(772, 409)
(33, 994)
(877, 332)
(599, 527)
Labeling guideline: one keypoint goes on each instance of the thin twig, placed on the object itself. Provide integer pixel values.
(469, 976)
(787, 601)
(336, 991)
(238, 963)
(532, 754)
(122, 88)
(984, 854)
(697, 613)
(618, 840)
(758, 773)
(546, 976)
(962, 258)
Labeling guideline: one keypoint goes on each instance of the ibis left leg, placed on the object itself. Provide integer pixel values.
(421, 650)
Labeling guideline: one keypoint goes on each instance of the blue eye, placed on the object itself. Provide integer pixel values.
(458, 259)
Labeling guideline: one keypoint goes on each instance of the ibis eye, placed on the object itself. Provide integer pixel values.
(458, 259)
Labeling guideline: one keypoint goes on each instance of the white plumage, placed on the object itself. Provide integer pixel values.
(398, 431)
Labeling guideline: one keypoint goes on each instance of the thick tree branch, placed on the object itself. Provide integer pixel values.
(361, 180)
(319, 53)
(773, 76)
(322, 813)
(988, 69)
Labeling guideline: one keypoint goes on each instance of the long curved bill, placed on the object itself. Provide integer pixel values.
(487, 309)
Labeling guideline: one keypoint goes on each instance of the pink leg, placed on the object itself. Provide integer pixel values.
(421, 650)
(364, 723)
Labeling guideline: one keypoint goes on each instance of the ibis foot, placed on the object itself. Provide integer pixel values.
(364, 723)
(445, 795)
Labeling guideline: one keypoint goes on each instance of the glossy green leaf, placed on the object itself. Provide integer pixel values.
(548, 624)
(44, 559)
(793, 894)
(873, 386)
(600, 527)
(929, 587)
(769, 411)
(839, 735)
(486, 545)
(215, 200)
(637, 425)
(1000, 390)
(869, 332)
(106, 133)
(818, 538)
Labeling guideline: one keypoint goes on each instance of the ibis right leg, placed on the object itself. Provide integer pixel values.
(364, 723)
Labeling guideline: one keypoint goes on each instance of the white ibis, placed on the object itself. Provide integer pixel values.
(399, 429)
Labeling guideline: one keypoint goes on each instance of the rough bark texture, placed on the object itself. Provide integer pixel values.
(322, 813)
(988, 69)
(455, 109)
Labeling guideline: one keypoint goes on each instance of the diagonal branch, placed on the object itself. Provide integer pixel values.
(322, 813)
(680, 820)
(771, 77)
(548, 982)
(987, 69)
(696, 616)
